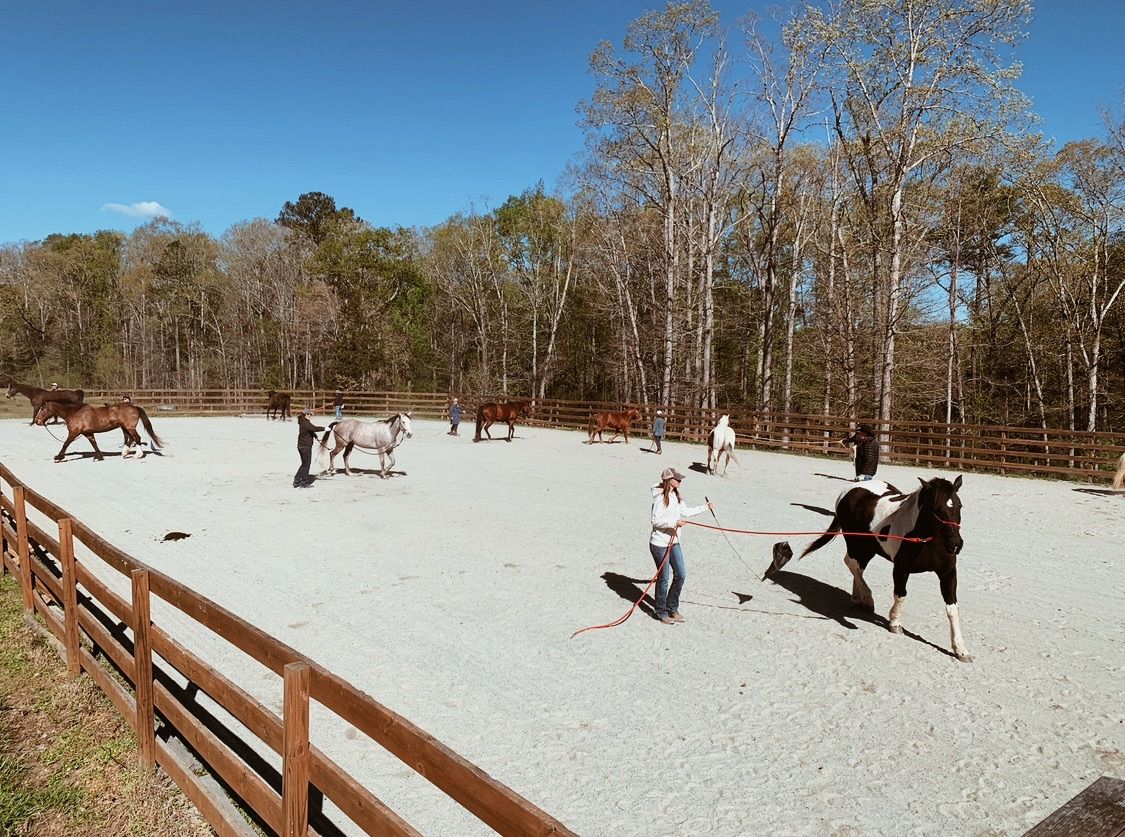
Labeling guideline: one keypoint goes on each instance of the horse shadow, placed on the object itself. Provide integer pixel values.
(630, 590)
(817, 509)
(699, 468)
(1100, 492)
(362, 472)
(74, 456)
(835, 604)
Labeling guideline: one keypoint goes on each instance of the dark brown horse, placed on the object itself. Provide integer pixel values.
(619, 423)
(490, 413)
(86, 420)
(278, 406)
(39, 396)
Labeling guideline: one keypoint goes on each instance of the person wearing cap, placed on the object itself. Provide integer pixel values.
(454, 417)
(338, 403)
(668, 514)
(866, 452)
(306, 435)
(658, 426)
(54, 387)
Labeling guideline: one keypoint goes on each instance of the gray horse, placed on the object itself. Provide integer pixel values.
(380, 437)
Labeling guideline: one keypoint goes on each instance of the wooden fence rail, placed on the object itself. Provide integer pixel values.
(139, 666)
(1072, 454)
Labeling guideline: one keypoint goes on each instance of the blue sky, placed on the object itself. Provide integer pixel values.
(406, 112)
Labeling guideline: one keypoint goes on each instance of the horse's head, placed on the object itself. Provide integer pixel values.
(634, 414)
(524, 409)
(404, 424)
(43, 413)
(939, 498)
(12, 391)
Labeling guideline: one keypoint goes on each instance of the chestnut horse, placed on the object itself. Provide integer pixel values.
(619, 423)
(278, 406)
(39, 396)
(86, 420)
(490, 412)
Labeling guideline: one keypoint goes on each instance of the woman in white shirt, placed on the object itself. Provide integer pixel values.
(668, 514)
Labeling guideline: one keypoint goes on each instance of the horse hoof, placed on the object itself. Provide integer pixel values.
(965, 658)
(896, 629)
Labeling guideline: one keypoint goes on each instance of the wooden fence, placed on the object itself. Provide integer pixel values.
(1072, 454)
(140, 667)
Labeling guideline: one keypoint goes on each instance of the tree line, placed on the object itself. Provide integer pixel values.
(842, 211)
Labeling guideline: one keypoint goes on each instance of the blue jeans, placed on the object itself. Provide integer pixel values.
(668, 594)
(339, 411)
(865, 477)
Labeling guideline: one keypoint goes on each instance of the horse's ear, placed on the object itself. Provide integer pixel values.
(957, 483)
(921, 481)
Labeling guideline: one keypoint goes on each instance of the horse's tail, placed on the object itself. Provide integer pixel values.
(327, 434)
(1119, 479)
(833, 530)
(590, 428)
(480, 422)
(157, 442)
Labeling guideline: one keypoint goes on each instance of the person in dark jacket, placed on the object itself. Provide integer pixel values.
(306, 435)
(866, 452)
(658, 425)
(338, 403)
(454, 417)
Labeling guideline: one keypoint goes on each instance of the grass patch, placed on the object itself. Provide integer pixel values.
(68, 761)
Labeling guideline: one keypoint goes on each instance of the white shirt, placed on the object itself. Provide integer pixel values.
(665, 517)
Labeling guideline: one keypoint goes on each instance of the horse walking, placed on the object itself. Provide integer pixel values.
(278, 405)
(619, 423)
(918, 533)
(720, 441)
(489, 413)
(39, 396)
(86, 420)
(381, 437)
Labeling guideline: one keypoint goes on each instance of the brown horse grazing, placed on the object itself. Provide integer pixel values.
(619, 423)
(278, 406)
(86, 420)
(39, 396)
(490, 412)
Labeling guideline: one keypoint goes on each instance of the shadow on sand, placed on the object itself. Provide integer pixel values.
(833, 603)
(630, 590)
(1100, 492)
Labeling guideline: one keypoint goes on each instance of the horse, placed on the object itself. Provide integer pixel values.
(720, 441)
(1119, 477)
(38, 396)
(379, 436)
(490, 412)
(278, 406)
(86, 420)
(930, 521)
(619, 423)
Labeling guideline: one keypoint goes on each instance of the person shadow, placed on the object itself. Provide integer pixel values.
(835, 604)
(1100, 492)
(630, 589)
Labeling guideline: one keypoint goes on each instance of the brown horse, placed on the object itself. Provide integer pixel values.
(278, 406)
(39, 396)
(490, 412)
(86, 420)
(619, 423)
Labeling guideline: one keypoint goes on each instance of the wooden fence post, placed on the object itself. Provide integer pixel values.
(70, 597)
(295, 746)
(142, 674)
(22, 548)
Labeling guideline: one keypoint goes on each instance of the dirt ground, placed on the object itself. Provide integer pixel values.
(449, 592)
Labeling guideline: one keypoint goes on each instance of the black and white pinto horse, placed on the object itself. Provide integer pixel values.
(918, 533)
(380, 437)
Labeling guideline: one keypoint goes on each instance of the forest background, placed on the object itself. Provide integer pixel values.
(847, 211)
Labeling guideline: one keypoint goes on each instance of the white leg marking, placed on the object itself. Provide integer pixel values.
(896, 611)
(955, 634)
(861, 593)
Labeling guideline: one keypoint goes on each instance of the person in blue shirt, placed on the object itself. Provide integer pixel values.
(454, 417)
(338, 403)
(658, 426)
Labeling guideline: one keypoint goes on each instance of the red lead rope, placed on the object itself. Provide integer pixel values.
(668, 552)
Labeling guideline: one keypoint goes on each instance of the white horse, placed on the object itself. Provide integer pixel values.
(719, 441)
(380, 437)
(1119, 477)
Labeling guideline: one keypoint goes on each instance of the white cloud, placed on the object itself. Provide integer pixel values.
(143, 209)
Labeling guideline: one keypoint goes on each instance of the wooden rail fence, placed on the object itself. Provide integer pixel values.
(1071, 454)
(140, 667)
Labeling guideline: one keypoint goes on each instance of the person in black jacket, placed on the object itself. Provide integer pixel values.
(866, 451)
(306, 435)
